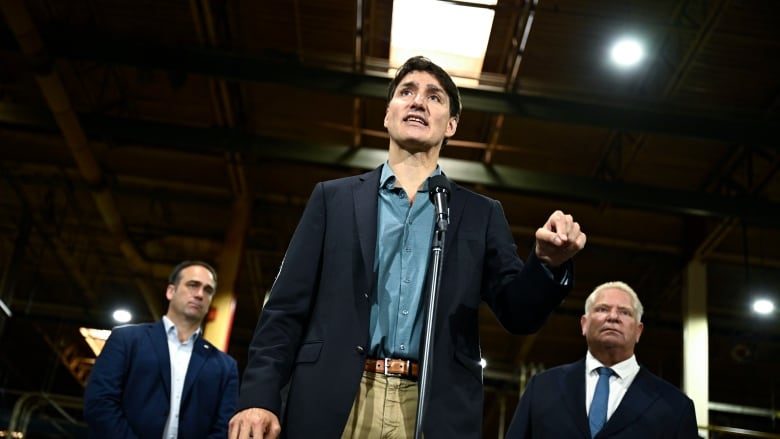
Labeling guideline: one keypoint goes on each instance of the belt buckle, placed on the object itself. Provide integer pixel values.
(387, 368)
(407, 372)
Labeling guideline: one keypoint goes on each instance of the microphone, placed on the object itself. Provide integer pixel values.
(439, 194)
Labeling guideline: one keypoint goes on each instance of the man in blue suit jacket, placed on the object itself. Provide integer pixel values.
(557, 402)
(163, 379)
(341, 323)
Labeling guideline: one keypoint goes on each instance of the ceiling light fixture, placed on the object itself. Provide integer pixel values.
(627, 52)
(763, 306)
(6, 309)
(122, 315)
(461, 53)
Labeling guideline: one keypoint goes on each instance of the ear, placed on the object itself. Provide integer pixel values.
(452, 126)
(169, 291)
(387, 114)
(584, 324)
(639, 327)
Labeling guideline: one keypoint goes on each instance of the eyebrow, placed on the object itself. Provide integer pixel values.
(626, 307)
(197, 282)
(415, 84)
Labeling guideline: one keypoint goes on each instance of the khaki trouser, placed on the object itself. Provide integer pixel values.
(385, 407)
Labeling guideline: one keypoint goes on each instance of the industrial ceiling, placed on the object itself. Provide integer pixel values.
(137, 134)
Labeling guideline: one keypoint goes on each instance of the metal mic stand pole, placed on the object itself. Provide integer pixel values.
(437, 249)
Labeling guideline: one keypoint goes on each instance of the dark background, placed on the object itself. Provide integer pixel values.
(137, 134)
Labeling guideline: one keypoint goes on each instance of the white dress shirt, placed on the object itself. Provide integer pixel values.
(180, 354)
(624, 375)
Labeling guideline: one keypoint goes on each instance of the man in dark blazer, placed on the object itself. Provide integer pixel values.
(337, 324)
(163, 379)
(557, 402)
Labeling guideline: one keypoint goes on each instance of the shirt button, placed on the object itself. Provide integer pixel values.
(405, 312)
(403, 347)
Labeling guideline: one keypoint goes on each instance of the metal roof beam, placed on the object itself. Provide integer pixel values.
(283, 69)
(206, 140)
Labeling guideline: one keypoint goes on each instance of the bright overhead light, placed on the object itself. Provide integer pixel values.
(6, 309)
(627, 52)
(457, 43)
(122, 315)
(483, 362)
(763, 306)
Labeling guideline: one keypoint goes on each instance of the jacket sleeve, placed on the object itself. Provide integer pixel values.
(227, 399)
(103, 395)
(687, 428)
(522, 295)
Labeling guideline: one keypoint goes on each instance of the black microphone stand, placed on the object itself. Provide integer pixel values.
(437, 249)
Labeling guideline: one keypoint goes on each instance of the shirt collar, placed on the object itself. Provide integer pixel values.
(623, 369)
(387, 179)
(171, 327)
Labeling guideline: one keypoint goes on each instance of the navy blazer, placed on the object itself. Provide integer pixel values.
(128, 392)
(553, 406)
(313, 333)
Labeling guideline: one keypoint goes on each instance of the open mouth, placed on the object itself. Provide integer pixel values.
(416, 119)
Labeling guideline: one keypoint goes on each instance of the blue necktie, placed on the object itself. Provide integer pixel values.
(597, 416)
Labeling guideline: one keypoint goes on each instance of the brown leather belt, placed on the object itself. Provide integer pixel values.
(392, 367)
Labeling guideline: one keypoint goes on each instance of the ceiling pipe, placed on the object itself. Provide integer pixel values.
(51, 86)
(12, 267)
(522, 33)
(30, 402)
(358, 65)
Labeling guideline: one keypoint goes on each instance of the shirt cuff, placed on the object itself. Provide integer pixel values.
(559, 274)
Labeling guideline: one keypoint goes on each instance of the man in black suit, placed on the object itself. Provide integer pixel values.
(344, 320)
(562, 402)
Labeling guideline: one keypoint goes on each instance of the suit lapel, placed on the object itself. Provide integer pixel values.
(158, 340)
(200, 353)
(457, 206)
(365, 201)
(638, 398)
(573, 385)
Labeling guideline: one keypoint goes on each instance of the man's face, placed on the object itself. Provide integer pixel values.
(191, 297)
(418, 115)
(611, 322)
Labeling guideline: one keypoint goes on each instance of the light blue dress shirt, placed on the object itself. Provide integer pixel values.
(180, 354)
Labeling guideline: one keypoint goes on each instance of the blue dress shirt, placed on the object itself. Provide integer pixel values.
(404, 234)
